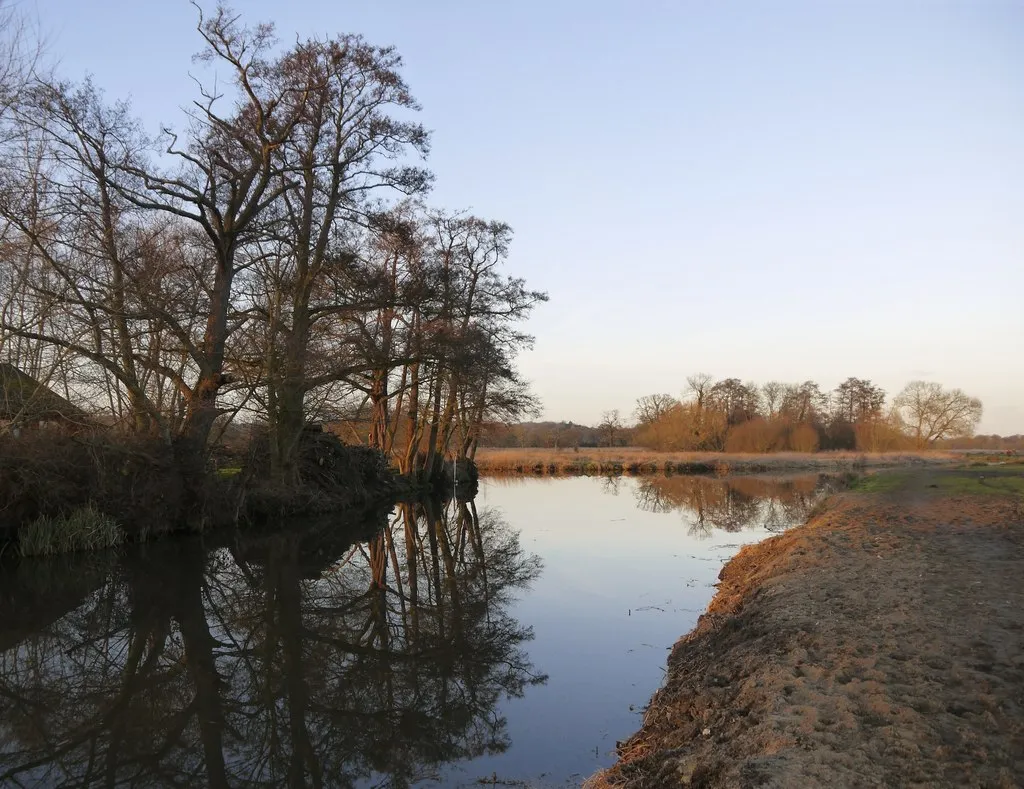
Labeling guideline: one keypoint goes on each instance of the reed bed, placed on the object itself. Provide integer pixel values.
(82, 529)
(635, 460)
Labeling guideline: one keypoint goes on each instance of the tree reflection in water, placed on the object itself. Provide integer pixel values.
(735, 503)
(294, 658)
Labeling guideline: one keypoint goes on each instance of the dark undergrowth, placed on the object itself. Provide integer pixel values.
(62, 493)
(50, 482)
(334, 476)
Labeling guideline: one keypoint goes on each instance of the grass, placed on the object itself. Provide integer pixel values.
(83, 529)
(634, 460)
(997, 460)
(986, 483)
(880, 483)
(964, 481)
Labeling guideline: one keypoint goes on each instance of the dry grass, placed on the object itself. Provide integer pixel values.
(599, 780)
(635, 460)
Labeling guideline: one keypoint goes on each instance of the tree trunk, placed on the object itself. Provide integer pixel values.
(288, 414)
(432, 462)
(379, 412)
(202, 404)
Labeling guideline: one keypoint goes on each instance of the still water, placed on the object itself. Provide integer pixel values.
(506, 641)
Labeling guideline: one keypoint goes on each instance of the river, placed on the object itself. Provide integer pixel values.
(508, 641)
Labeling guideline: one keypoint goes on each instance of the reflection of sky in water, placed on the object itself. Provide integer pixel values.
(619, 586)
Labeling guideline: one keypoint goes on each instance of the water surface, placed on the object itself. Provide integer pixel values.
(512, 639)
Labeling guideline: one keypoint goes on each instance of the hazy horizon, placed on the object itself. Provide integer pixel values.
(805, 191)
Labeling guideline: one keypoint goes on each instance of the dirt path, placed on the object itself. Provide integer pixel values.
(881, 644)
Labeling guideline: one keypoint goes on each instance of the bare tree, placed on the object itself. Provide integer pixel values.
(228, 176)
(698, 385)
(857, 400)
(20, 53)
(739, 402)
(84, 248)
(804, 403)
(255, 258)
(771, 395)
(931, 413)
(651, 408)
(344, 149)
(610, 427)
(474, 320)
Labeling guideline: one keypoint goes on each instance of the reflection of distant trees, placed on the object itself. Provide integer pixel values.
(611, 484)
(286, 659)
(733, 503)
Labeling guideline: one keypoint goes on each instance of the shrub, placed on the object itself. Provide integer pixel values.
(755, 435)
(803, 438)
(881, 436)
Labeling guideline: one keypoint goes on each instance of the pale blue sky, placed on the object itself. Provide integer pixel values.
(765, 190)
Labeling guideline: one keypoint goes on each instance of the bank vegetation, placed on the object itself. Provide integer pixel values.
(637, 460)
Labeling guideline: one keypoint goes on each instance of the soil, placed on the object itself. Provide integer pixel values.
(880, 644)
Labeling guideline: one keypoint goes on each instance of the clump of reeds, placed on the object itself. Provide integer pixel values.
(81, 529)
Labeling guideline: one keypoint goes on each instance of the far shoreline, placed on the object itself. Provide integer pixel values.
(534, 461)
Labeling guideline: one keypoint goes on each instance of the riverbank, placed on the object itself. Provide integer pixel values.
(634, 460)
(881, 643)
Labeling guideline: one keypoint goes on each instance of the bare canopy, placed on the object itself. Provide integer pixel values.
(932, 413)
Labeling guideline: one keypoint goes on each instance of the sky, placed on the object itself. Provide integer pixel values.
(760, 190)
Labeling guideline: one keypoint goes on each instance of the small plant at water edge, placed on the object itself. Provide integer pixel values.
(83, 529)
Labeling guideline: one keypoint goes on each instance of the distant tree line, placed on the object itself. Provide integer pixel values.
(556, 435)
(997, 443)
(269, 262)
(735, 416)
